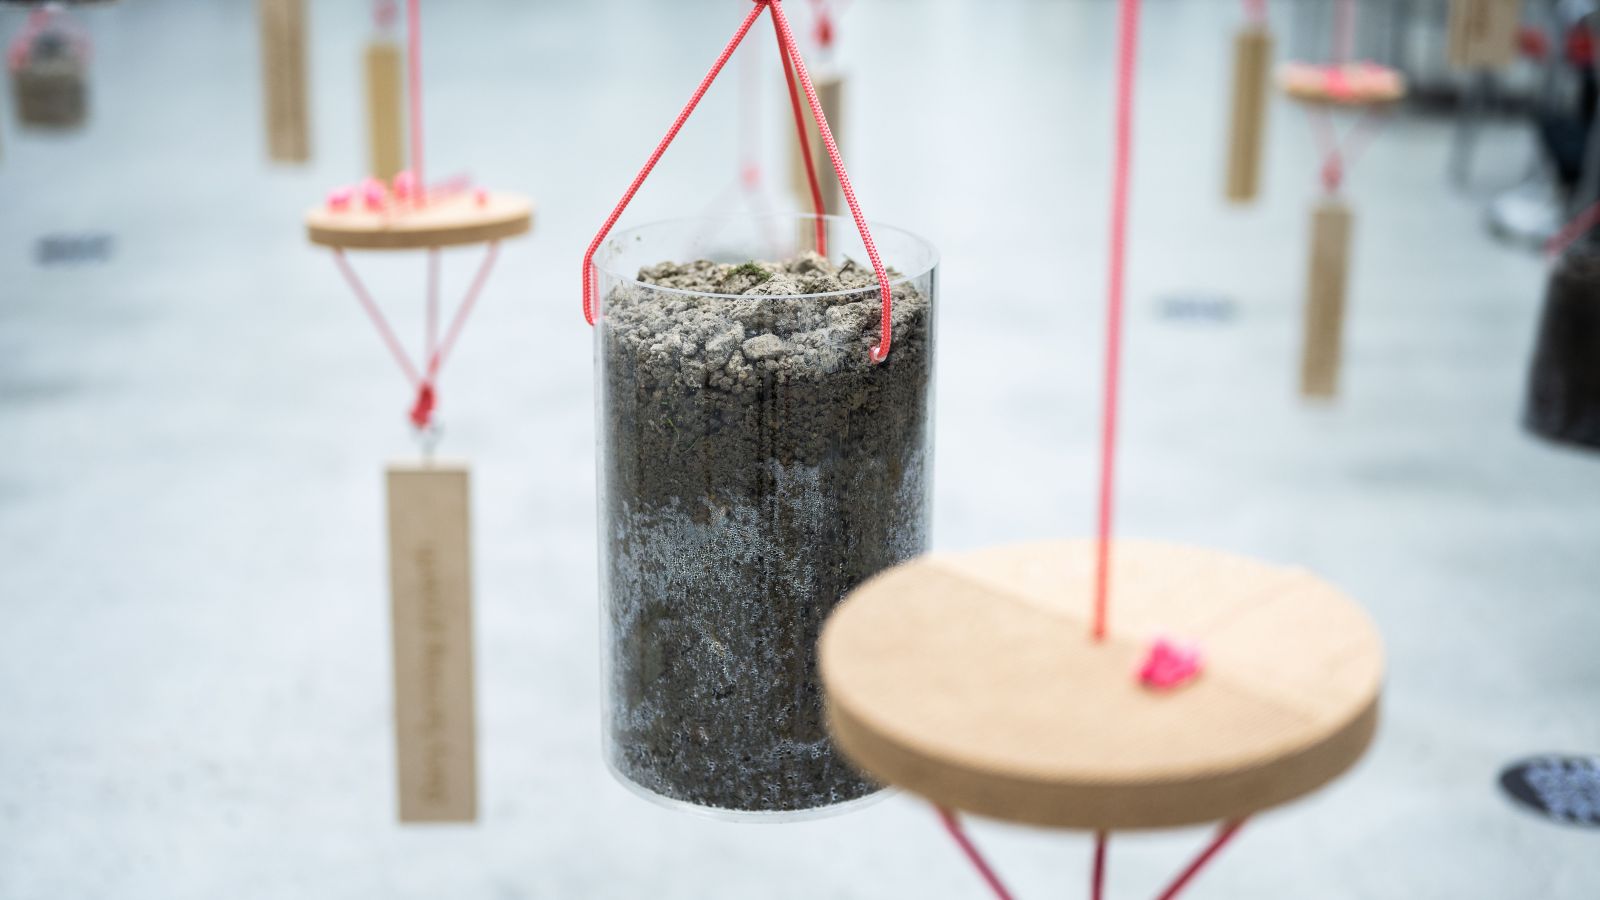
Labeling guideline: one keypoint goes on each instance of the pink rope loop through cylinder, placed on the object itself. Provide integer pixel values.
(792, 56)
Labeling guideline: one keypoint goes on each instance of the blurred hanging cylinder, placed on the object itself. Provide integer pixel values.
(1483, 33)
(1252, 64)
(830, 93)
(1563, 399)
(430, 575)
(1326, 282)
(385, 121)
(283, 79)
(49, 77)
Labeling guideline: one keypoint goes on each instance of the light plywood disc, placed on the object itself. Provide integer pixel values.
(458, 219)
(971, 679)
(1354, 84)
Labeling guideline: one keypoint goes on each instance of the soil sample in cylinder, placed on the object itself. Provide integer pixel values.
(756, 467)
(1564, 384)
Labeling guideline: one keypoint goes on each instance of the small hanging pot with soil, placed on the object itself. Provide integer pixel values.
(756, 466)
(49, 61)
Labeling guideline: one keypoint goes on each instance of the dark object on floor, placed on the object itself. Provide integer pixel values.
(71, 249)
(1564, 384)
(1197, 307)
(1565, 789)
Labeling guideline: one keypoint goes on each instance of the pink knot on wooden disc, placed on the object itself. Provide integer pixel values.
(339, 198)
(373, 194)
(481, 196)
(405, 184)
(1169, 664)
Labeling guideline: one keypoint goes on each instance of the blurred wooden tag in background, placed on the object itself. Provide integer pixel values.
(1483, 33)
(430, 572)
(283, 79)
(385, 121)
(1325, 292)
(830, 93)
(1252, 62)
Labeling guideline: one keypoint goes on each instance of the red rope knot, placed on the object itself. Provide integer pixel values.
(422, 410)
(1332, 172)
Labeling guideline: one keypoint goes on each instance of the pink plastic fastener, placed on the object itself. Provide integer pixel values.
(1170, 664)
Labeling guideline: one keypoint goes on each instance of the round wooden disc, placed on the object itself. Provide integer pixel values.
(458, 219)
(971, 679)
(1353, 84)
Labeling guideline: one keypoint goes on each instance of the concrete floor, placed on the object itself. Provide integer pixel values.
(194, 693)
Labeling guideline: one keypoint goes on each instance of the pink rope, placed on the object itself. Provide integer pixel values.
(881, 351)
(1337, 161)
(414, 89)
(655, 157)
(424, 383)
(1573, 230)
(1097, 877)
(462, 311)
(805, 144)
(974, 856)
(791, 53)
(1127, 55)
(431, 334)
(1206, 855)
(1256, 11)
(378, 320)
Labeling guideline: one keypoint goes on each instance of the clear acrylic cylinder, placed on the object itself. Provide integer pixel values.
(754, 467)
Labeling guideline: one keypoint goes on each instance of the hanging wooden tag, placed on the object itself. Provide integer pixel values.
(1325, 293)
(830, 93)
(430, 572)
(1252, 69)
(385, 122)
(283, 78)
(1483, 33)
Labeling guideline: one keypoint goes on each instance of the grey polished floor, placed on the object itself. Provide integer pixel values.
(193, 648)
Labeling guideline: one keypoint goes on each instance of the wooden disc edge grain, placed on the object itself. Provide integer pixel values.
(458, 224)
(1232, 788)
(1109, 806)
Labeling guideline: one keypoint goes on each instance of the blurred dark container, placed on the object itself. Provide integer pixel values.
(1564, 385)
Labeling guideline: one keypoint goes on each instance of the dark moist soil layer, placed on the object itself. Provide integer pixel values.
(757, 467)
(1564, 384)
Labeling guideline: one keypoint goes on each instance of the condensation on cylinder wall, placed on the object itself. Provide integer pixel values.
(755, 467)
(1326, 283)
(1252, 61)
